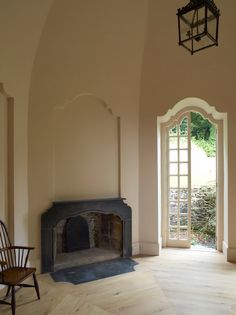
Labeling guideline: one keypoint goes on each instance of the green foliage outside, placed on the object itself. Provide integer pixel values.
(203, 134)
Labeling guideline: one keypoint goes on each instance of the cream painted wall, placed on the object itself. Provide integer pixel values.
(91, 47)
(20, 28)
(85, 150)
(3, 158)
(170, 74)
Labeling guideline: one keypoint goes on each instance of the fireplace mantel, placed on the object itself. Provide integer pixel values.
(65, 209)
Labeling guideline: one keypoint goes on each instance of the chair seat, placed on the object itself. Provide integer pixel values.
(15, 275)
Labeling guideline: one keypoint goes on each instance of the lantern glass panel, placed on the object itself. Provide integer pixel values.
(192, 23)
(185, 26)
(198, 23)
(211, 24)
(185, 33)
(205, 41)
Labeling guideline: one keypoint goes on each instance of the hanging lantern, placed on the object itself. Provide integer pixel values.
(198, 24)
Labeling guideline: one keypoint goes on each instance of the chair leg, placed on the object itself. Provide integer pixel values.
(36, 286)
(8, 291)
(13, 300)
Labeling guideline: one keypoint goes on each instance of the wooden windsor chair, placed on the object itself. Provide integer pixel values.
(14, 270)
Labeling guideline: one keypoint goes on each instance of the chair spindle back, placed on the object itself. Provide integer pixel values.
(6, 255)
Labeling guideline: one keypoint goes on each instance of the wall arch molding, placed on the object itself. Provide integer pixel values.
(80, 96)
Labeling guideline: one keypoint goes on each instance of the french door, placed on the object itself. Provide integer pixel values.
(179, 182)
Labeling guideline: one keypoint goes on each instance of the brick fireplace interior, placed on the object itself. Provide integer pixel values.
(87, 238)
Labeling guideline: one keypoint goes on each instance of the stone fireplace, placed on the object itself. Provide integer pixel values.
(83, 232)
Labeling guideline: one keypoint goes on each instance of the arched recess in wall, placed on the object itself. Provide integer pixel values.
(86, 150)
(6, 160)
(181, 109)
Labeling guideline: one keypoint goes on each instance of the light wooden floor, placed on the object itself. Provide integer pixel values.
(177, 282)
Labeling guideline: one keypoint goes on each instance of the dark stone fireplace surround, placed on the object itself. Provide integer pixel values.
(65, 209)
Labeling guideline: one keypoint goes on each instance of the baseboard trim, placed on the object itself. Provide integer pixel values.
(149, 248)
(135, 248)
(225, 249)
(229, 252)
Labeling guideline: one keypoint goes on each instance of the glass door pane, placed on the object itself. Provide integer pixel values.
(179, 184)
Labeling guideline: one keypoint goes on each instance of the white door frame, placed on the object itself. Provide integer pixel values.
(218, 119)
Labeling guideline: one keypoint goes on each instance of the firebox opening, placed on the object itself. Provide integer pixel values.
(87, 238)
